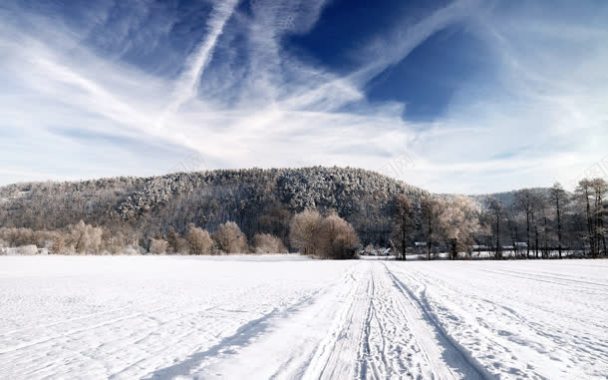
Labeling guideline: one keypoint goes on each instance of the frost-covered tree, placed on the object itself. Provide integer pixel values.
(267, 243)
(459, 220)
(158, 246)
(338, 239)
(199, 241)
(180, 245)
(84, 238)
(304, 232)
(230, 239)
(327, 237)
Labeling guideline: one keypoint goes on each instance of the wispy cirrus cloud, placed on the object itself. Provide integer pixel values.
(217, 78)
(188, 82)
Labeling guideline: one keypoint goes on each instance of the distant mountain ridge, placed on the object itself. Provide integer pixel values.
(508, 198)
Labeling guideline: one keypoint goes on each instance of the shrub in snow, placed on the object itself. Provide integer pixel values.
(178, 244)
(16, 237)
(267, 243)
(131, 250)
(158, 246)
(199, 241)
(331, 237)
(58, 244)
(115, 242)
(303, 231)
(25, 250)
(84, 238)
(230, 239)
(338, 238)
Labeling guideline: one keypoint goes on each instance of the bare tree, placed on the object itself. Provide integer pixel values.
(525, 202)
(496, 209)
(541, 225)
(558, 196)
(403, 223)
(600, 187)
(513, 226)
(585, 194)
(430, 209)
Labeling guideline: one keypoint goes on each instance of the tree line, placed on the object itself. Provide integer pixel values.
(527, 223)
(311, 233)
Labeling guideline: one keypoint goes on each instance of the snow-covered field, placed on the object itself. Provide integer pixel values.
(289, 317)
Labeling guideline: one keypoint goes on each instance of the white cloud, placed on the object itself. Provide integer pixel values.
(188, 82)
(542, 118)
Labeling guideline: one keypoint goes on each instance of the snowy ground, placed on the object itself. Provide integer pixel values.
(288, 317)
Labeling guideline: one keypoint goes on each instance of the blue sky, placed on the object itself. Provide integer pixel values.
(453, 96)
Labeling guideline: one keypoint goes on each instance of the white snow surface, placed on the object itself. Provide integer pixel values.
(285, 317)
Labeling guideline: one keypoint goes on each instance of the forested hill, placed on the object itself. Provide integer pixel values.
(257, 200)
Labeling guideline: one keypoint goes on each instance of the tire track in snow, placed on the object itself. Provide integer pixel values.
(343, 339)
(454, 354)
(77, 330)
(510, 341)
(370, 320)
(243, 336)
(320, 340)
(363, 328)
(389, 348)
(205, 363)
(365, 350)
(63, 321)
(557, 280)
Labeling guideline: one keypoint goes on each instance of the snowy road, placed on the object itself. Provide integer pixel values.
(287, 317)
